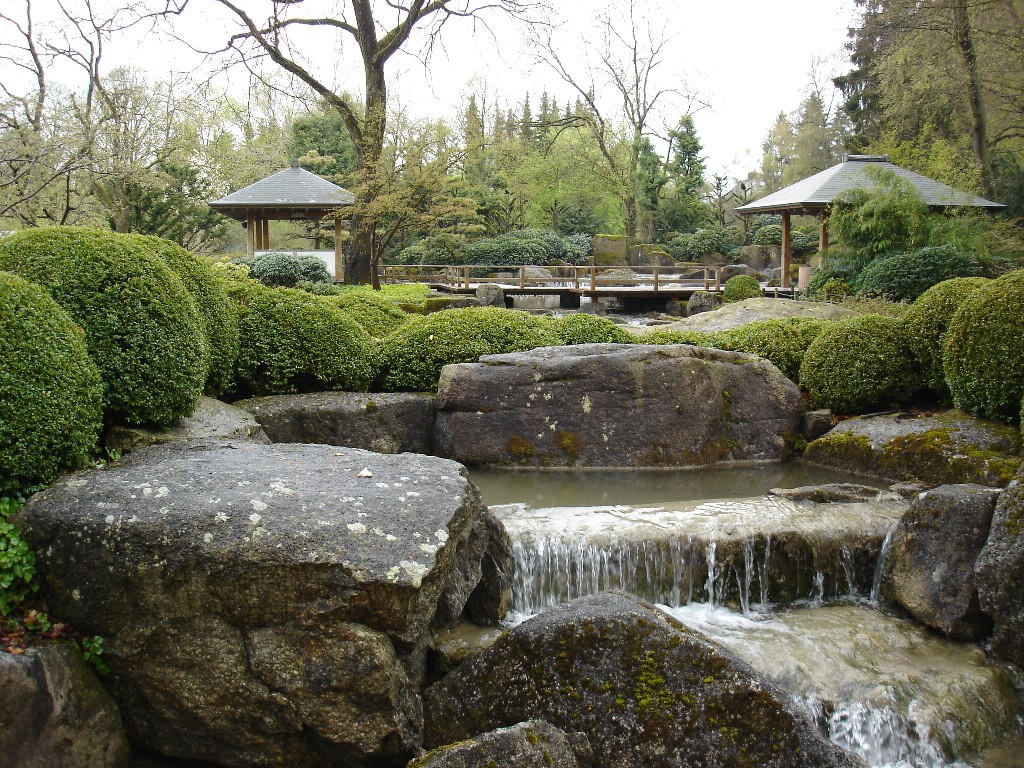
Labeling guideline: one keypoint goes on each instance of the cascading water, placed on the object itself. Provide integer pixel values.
(881, 688)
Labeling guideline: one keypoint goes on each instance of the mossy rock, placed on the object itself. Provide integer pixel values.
(860, 365)
(142, 327)
(51, 396)
(951, 447)
(983, 353)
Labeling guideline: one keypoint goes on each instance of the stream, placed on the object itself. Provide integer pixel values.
(790, 586)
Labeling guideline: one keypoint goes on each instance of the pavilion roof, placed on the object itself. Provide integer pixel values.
(816, 193)
(291, 193)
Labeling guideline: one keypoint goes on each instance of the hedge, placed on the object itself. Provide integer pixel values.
(51, 395)
(218, 318)
(983, 354)
(377, 315)
(291, 341)
(286, 270)
(905, 276)
(415, 354)
(740, 287)
(926, 322)
(858, 365)
(579, 328)
(142, 327)
(783, 341)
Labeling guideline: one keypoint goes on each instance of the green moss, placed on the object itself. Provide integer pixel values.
(570, 442)
(520, 447)
(650, 690)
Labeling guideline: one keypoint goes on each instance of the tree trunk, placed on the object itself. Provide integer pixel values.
(630, 206)
(979, 129)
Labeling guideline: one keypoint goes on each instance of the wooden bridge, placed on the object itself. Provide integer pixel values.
(633, 287)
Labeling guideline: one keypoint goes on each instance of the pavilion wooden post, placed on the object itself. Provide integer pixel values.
(339, 265)
(250, 235)
(822, 232)
(266, 234)
(787, 249)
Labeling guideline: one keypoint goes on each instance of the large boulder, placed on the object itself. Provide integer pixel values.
(211, 420)
(749, 310)
(263, 605)
(950, 447)
(625, 405)
(929, 568)
(55, 714)
(383, 422)
(703, 301)
(1000, 573)
(533, 744)
(646, 691)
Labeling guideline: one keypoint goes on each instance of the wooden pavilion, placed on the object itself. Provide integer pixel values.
(293, 194)
(813, 196)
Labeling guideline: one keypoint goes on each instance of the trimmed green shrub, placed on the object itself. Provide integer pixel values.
(783, 341)
(291, 341)
(672, 336)
(926, 322)
(286, 270)
(579, 328)
(983, 355)
(858, 365)
(51, 396)
(836, 286)
(692, 246)
(740, 287)
(768, 236)
(905, 276)
(378, 315)
(218, 318)
(141, 326)
(415, 354)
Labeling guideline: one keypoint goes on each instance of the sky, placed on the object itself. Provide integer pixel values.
(740, 61)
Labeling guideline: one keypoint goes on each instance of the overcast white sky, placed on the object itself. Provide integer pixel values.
(747, 59)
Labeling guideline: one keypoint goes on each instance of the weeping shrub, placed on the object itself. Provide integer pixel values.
(926, 322)
(218, 319)
(51, 396)
(983, 352)
(859, 364)
(291, 341)
(580, 328)
(414, 355)
(740, 287)
(905, 276)
(286, 270)
(142, 328)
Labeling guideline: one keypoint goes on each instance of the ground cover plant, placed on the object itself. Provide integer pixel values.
(579, 328)
(983, 351)
(51, 395)
(291, 341)
(141, 325)
(414, 354)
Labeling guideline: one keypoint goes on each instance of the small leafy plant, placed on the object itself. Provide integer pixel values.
(92, 652)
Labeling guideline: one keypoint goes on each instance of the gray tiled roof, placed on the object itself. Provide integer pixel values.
(818, 191)
(291, 188)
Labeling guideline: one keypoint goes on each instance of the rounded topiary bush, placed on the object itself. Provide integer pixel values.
(415, 354)
(926, 322)
(859, 364)
(983, 354)
(290, 341)
(378, 316)
(905, 276)
(579, 328)
(783, 341)
(218, 318)
(141, 326)
(740, 287)
(51, 396)
(286, 270)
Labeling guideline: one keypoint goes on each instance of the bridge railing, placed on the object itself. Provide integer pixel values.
(585, 278)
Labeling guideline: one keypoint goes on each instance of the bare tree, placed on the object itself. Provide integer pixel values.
(626, 58)
(379, 30)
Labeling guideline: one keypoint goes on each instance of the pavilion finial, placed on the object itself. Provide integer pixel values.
(295, 163)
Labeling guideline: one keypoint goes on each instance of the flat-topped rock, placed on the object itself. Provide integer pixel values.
(211, 420)
(646, 691)
(751, 310)
(625, 405)
(533, 744)
(264, 605)
(949, 447)
(384, 422)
